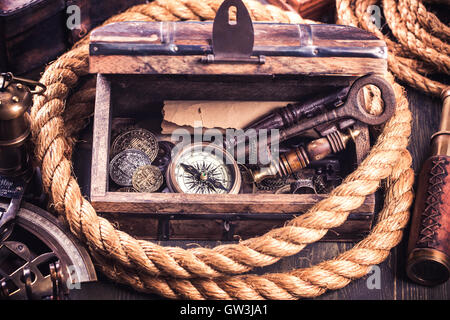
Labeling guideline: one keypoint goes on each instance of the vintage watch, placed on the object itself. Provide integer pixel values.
(203, 168)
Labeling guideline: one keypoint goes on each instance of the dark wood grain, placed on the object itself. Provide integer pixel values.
(183, 226)
(162, 203)
(191, 65)
(33, 33)
(24, 30)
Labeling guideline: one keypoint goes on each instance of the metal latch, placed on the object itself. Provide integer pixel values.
(232, 41)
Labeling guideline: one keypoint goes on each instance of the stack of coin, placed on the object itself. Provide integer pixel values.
(132, 155)
(139, 139)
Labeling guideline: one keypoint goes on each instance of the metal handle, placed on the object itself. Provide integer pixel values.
(353, 108)
(232, 42)
(9, 77)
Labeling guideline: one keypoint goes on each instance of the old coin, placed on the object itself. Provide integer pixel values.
(123, 165)
(147, 179)
(139, 139)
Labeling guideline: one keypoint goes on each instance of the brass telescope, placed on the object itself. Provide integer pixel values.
(429, 242)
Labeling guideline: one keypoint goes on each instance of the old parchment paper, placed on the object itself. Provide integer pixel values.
(215, 114)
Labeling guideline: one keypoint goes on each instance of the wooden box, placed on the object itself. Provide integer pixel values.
(34, 32)
(25, 26)
(140, 64)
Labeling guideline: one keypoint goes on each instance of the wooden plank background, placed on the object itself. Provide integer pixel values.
(394, 283)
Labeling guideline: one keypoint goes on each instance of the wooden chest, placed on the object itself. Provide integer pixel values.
(34, 32)
(141, 64)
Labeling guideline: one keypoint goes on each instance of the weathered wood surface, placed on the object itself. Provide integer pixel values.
(183, 226)
(198, 203)
(266, 34)
(393, 283)
(33, 33)
(102, 128)
(274, 65)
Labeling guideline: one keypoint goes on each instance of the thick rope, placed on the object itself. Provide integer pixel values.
(420, 50)
(303, 283)
(422, 24)
(176, 272)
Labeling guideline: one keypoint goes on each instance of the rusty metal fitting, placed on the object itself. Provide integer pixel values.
(300, 157)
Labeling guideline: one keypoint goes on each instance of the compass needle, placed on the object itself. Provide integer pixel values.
(203, 168)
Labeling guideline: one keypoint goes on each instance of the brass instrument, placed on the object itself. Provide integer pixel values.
(429, 242)
(15, 100)
(16, 170)
(30, 238)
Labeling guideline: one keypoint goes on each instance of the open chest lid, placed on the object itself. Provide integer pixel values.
(237, 47)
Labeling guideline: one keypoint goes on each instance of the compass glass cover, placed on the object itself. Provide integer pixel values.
(204, 170)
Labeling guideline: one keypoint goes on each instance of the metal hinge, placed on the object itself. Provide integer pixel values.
(232, 41)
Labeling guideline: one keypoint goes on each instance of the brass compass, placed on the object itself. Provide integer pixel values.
(203, 168)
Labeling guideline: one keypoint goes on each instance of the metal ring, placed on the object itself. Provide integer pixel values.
(359, 112)
(6, 76)
(439, 133)
(29, 82)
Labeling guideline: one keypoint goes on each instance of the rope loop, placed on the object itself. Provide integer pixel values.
(202, 273)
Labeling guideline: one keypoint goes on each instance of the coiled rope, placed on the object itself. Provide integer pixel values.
(202, 273)
(422, 46)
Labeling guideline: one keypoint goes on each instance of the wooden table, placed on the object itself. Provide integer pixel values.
(393, 284)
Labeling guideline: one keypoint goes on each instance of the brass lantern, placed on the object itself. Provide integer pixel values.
(15, 100)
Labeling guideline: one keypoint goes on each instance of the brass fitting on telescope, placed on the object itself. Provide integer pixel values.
(300, 157)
